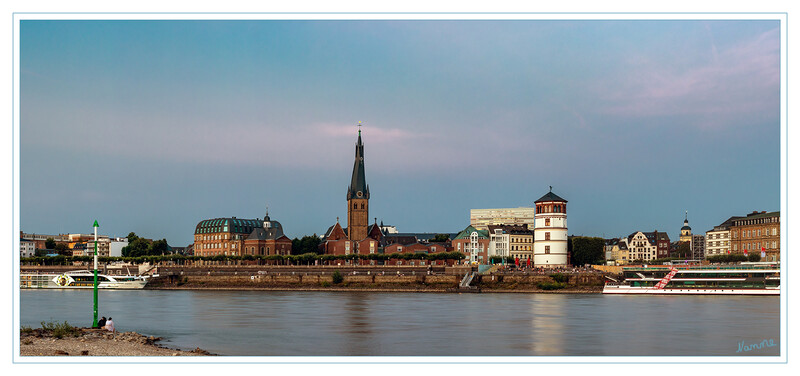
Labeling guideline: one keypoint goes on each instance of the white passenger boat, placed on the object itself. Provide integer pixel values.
(692, 280)
(80, 279)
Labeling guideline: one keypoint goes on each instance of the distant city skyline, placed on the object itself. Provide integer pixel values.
(153, 126)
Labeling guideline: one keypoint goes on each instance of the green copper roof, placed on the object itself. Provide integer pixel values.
(229, 225)
(482, 234)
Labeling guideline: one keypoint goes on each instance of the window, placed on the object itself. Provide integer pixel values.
(547, 249)
(547, 222)
(355, 206)
(362, 205)
(546, 236)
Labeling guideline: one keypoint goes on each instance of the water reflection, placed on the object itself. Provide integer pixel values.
(358, 324)
(261, 323)
(547, 325)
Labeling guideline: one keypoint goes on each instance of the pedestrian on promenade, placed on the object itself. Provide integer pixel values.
(110, 325)
(102, 323)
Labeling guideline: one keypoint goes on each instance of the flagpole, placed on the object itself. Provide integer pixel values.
(94, 322)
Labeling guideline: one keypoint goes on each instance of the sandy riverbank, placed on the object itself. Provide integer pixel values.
(95, 342)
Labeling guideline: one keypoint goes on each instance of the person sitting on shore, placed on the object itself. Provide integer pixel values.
(110, 325)
(102, 323)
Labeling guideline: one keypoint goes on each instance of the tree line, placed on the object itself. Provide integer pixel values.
(304, 259)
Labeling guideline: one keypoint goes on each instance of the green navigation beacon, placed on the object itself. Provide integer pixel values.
(94, 322)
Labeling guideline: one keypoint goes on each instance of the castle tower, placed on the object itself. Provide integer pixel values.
(358, 197)
(686, 231)
(550, 231)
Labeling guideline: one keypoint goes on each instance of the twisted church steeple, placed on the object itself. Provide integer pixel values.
(358, 183)
(358, 196)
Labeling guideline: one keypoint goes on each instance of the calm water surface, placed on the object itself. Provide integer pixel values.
(266, 323)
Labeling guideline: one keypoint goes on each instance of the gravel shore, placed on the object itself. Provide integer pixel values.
(96, 342)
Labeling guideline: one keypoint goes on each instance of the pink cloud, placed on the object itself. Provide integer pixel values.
(737, 81)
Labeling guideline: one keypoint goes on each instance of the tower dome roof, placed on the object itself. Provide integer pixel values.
(550, 196)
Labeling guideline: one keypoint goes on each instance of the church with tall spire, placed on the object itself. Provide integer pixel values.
(358, 196)
(359, 236)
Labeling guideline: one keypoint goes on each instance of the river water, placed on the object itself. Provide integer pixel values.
(268, 323)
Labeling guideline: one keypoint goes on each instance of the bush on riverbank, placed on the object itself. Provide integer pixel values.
(59, 330)
(560, 278)
(337, 277)
(551, 285)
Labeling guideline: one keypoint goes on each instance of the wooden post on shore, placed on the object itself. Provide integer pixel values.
(94, 322)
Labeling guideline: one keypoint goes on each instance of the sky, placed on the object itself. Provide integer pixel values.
(152, 126)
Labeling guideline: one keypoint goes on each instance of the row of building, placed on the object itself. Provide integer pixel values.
(536, 234)
(754, 233)
(757, 232)
(76, 244)
(541, 237)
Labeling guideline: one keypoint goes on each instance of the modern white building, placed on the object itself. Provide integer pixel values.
(499, 243)
(718, 240)
(481, 219)
(550, 231)
(116, 245)
(27, 248)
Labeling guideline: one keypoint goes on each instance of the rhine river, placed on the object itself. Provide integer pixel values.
(269, 323)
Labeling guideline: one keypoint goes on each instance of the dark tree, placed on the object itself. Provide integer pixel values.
(137, 248)
(587, 250)
(440, 238)
(159, 247)
(62, 249)
(50, 243)
(684, 251)
(308, 244)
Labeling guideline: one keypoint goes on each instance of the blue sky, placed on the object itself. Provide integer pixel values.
(152, 126)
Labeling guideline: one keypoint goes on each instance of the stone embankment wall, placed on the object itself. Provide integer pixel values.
(305, 281)
(589, 282)
(575, 282)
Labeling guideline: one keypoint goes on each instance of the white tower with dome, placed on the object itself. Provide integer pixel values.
(550, 231)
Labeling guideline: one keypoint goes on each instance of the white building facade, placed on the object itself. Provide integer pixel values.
(550, 231)
(640, 247)
(116, 245)
(27, 248)
(718, 240)
(499, 243)
(481, 219)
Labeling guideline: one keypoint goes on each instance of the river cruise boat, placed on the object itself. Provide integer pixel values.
(81, 279)
(763, 279)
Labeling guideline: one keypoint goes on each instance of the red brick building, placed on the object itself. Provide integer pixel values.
(237, 237)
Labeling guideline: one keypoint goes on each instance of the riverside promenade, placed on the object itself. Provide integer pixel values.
(429, 278)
